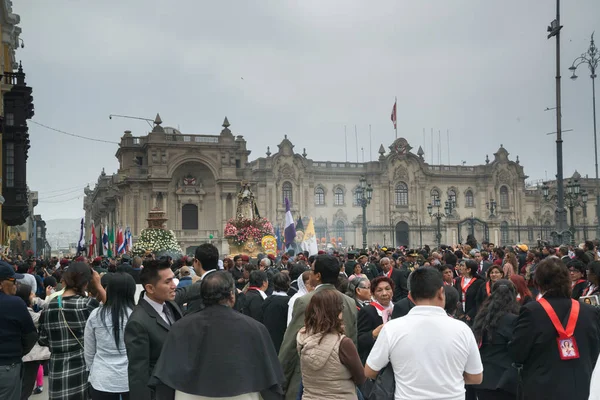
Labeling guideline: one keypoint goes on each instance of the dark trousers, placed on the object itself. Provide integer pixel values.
(98, 395)
(10, 381)
(30, 370)
(483, 394)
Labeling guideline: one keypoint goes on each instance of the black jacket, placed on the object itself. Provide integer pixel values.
(400, 279)
(498, 372)
(145, 334)
(402, 307)
(482, 294)
(578, 289)
(545, 375)
(470, 296)
(253, 305)
(367, 321)
(275, 311)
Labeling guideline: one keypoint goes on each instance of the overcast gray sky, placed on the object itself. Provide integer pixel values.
(483, 70)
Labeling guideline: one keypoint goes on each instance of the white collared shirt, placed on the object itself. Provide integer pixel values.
(262, 294)
(427, 365)
(158, 308)
(207, 272)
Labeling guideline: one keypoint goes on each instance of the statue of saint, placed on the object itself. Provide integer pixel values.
(246, 207)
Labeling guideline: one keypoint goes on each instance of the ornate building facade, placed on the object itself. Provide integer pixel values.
(195, 180)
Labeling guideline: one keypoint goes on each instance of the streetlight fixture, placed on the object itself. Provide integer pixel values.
(364, 195)
(449, 206)
(574, 197)
(491, 206)
(592, 59)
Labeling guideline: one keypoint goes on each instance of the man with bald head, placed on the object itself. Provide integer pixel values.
(399, 277)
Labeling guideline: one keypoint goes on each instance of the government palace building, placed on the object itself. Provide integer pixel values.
(195, 180)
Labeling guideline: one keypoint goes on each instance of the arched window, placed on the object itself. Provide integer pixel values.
(401, 194)
(319, 196)
(189, 216)
(340, 230)
(435, 196)
(452, 196)
(504, 233)
(503, 197)
(286, 191)
(338, 197)
(355, 197)
(469, 199)
(547, 229)
(530, 234)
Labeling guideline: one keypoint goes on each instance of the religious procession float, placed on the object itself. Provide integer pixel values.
(248, 233)
(156, 239)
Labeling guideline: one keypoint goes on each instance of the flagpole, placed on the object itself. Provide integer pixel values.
(396, 124)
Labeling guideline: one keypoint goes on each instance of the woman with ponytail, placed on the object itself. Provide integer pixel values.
(493, 329)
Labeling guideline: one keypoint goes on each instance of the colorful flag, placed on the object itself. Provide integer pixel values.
(128, 240)
(289, 230)
(278, 237)
(394, 114)
(310, 239)
(92, 249)
(81, 243)
(105, 241)
(111, 242)
(120, 242)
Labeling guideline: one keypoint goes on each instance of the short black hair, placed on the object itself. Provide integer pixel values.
(238, 257)
(450, 258)
(472, 265)
(589, 245)
(257, 278)
(150, 272)
(208, 255)
(329, 268)
(578, 265)
(281, 282)
(425, 282)
(552, 276)
(499, 251)
(217, 287)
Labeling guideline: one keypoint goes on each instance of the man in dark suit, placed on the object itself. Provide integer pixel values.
(148, 326)
(484, 263)
(255, 296)
(398, 276)
(534, 344)
(136, 269)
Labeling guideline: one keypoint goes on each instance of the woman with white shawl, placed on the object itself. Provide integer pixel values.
(304, 287)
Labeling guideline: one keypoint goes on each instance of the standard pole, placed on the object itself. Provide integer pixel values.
(364, 228)
(439, 231)
(596, 153)
(561, 222)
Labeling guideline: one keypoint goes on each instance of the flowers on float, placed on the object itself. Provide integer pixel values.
(242, 230)
(156, 240)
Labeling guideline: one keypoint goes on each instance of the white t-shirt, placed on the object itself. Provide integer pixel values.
(429, 352)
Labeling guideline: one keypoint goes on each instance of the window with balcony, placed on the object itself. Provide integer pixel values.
(503, 197)
(9, 164)
(401, 194)
(189, 216)
(338, 197)
(469, 199)
(286, 192)
(319, 196)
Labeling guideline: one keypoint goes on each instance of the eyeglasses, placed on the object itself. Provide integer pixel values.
(360, 287)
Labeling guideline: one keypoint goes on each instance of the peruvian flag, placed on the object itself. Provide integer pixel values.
(394, 113)
(92, 249)
(120, 242)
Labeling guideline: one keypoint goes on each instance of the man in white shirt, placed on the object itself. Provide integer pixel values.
(433, 356)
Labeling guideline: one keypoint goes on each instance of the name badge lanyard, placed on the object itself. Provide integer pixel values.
(567, 346)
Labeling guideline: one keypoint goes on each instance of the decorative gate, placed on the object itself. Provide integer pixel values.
(474, 227)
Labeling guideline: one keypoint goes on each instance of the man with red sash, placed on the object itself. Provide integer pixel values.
(556, 340)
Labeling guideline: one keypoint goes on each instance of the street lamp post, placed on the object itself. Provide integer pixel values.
(561, 216)
(592, 58)
(573, 198)
(448, 207)
(364, 194)
(491, 206)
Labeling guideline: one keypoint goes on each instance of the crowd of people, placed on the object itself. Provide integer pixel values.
(470, 321)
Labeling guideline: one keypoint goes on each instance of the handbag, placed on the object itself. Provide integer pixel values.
(382, 388)
(60, 308)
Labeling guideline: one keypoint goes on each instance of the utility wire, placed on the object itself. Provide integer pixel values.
(61, 190)
(60, 201)
(61, 194)
(72, 134)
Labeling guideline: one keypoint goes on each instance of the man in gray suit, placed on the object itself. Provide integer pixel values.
(324, 274)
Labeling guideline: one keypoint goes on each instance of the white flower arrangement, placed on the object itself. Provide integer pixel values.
(156, 241)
